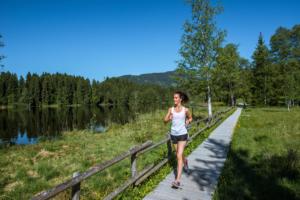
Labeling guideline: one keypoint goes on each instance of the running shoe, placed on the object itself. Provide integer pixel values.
(175, 184)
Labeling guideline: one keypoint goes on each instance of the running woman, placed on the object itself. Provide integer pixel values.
(180, 117)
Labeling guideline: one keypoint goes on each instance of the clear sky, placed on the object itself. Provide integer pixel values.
(99, 38)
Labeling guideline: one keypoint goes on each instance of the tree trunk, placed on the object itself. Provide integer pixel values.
(231, 95)
(232, 100)
(209, 107)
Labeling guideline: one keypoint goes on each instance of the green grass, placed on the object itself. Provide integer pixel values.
(264, 158)
(27, 170)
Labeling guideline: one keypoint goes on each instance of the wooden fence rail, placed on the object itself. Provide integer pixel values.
(133, 153)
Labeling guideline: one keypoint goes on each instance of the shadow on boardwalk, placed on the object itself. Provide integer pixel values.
(207, 171)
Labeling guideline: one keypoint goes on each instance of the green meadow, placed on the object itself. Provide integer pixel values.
(264, 159)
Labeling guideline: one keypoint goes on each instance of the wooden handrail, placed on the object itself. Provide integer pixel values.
(153, 146)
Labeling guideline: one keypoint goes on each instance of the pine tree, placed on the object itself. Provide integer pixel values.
(95, 96)
(79, 92)
(61, 97)
(245, 84)
(35, 90)
(22, 90)
(45, 94)
(12, 89)
(29, 95)
(262, 72)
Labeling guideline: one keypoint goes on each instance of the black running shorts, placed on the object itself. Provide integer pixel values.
(176, 138)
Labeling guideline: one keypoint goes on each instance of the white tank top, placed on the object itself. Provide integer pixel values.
(178, 122)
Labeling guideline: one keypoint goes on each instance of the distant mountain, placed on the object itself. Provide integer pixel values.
(162, 79)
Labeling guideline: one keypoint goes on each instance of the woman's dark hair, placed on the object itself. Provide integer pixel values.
(183, 96)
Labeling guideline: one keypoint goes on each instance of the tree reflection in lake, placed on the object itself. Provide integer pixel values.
(22, 126)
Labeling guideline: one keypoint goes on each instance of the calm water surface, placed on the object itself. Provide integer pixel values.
(23, 126)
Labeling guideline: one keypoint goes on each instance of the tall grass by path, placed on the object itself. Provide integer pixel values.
(264, 157)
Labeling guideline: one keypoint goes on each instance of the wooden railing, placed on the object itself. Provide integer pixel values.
(133, 153)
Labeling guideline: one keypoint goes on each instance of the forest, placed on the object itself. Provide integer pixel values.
(63, 89)
(272, 78)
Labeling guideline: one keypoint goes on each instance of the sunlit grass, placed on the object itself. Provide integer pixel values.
(264, 159)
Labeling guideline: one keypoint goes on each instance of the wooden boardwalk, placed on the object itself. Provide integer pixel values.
(205, 163)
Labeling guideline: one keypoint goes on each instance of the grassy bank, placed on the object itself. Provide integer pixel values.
(27, 170)
(264, 159)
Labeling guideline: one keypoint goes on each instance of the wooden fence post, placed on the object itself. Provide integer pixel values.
(75, 189)
(169, 146)
(133, 165)
(208, 121)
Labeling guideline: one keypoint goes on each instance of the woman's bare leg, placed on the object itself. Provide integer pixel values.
(183, 157)
(179, 154)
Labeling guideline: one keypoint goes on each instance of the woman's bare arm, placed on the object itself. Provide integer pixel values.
(168, 116)
(189, 117)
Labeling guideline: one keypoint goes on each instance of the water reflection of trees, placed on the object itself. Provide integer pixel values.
(50, 122)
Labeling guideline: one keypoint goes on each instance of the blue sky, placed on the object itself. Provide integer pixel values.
(99, 38)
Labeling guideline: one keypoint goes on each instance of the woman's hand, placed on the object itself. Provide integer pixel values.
(187, 122)
(170, 116)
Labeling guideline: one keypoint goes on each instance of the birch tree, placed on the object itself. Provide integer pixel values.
(199, 45)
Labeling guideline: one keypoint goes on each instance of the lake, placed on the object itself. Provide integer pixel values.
(23, 126)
